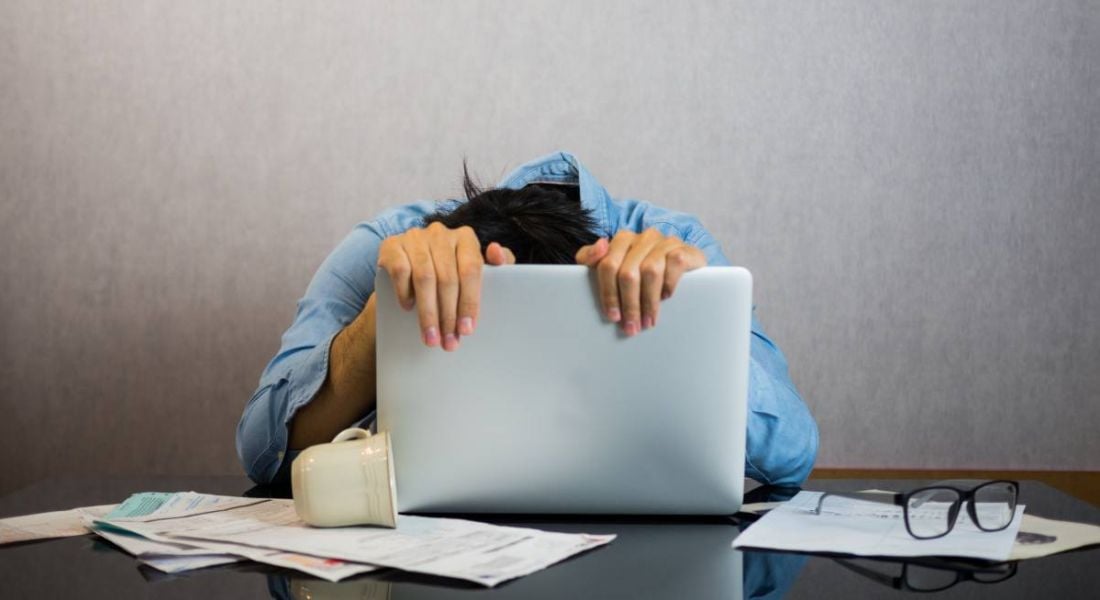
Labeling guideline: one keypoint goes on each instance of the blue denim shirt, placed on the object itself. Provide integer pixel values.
(782, 435)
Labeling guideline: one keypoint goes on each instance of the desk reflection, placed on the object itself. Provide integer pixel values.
(646, 561)
(654, 558)
(650, 558)
(927, 575)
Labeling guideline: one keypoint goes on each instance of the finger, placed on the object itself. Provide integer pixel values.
(497, 255)
(423, 281)
(607, 272)
(653, 276)
(392, 258)
(591, 254)
(446, 286)
(677, 262)
(468, 257)
(630, 279)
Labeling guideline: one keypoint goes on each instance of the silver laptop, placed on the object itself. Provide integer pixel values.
(548, 408)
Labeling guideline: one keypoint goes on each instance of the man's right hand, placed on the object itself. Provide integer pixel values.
(438, 271)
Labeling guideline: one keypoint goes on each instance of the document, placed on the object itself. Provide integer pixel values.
(61, 523)
(866, 528)
(482, 553)
(179, 564)
(1043, 537)
(176, 503)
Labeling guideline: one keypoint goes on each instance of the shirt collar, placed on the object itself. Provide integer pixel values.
(564, 168)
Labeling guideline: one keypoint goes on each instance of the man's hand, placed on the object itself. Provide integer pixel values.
(438, 270)
(636, 271)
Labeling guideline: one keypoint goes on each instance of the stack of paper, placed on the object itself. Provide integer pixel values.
(175, 532)
(187, 530)
(174, 557)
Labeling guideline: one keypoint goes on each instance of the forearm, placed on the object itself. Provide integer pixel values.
(349, 390)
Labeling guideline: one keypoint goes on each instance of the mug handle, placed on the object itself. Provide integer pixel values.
(352, 433)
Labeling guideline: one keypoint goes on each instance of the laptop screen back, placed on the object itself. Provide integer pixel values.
(548, 408)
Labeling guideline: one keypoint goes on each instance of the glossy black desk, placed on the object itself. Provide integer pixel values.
(652, 558)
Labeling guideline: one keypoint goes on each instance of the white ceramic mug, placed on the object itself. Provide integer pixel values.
(347, 482)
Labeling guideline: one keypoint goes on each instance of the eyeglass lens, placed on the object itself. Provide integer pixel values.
(994, 504)
(929, 579)
(929, 512)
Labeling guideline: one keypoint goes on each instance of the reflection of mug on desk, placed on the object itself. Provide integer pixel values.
(347, 482)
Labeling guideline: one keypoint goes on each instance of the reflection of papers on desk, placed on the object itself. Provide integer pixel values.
(478, 552)
(61, 523)
(863, 528)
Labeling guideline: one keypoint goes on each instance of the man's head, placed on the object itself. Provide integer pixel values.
(539, 223)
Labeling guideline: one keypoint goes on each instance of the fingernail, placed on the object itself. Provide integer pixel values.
(647, 322)
(614, 315)
(431, 336)
(450, 342)
(630, 328)
(465, 326)
(665, 295)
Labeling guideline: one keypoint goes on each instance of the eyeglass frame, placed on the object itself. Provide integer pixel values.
(1002, 572)
(902, 499)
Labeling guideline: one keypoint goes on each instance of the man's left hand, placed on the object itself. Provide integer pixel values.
(636, 271)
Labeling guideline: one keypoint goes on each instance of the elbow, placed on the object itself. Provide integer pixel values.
(257, 450)
(800, 459)
(250, 452)
(785, 455)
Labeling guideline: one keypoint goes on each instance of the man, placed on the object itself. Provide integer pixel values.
(550, 210)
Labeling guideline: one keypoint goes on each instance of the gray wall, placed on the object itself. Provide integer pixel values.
(914, 185)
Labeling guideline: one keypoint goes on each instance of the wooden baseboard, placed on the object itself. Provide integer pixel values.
(1081, 484)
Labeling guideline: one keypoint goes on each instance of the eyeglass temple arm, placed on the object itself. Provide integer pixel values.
(871, 574)
(892, 499)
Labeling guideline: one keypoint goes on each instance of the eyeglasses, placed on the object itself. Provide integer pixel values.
(930, 512)
(929, 577)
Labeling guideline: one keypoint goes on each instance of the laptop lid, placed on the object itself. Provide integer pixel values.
(548, 408)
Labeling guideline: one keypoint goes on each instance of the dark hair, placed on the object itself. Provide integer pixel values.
(539, 223)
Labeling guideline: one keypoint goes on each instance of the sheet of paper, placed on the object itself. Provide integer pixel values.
(868, 529)
(758, 508)
(1043, 537)
(179, 564)
(478, 552)
(175, 504)
(140, 504)
(139, 546)
(61, 523)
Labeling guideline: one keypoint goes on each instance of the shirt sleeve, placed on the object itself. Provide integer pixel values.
(338, 292)
(782, 437)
